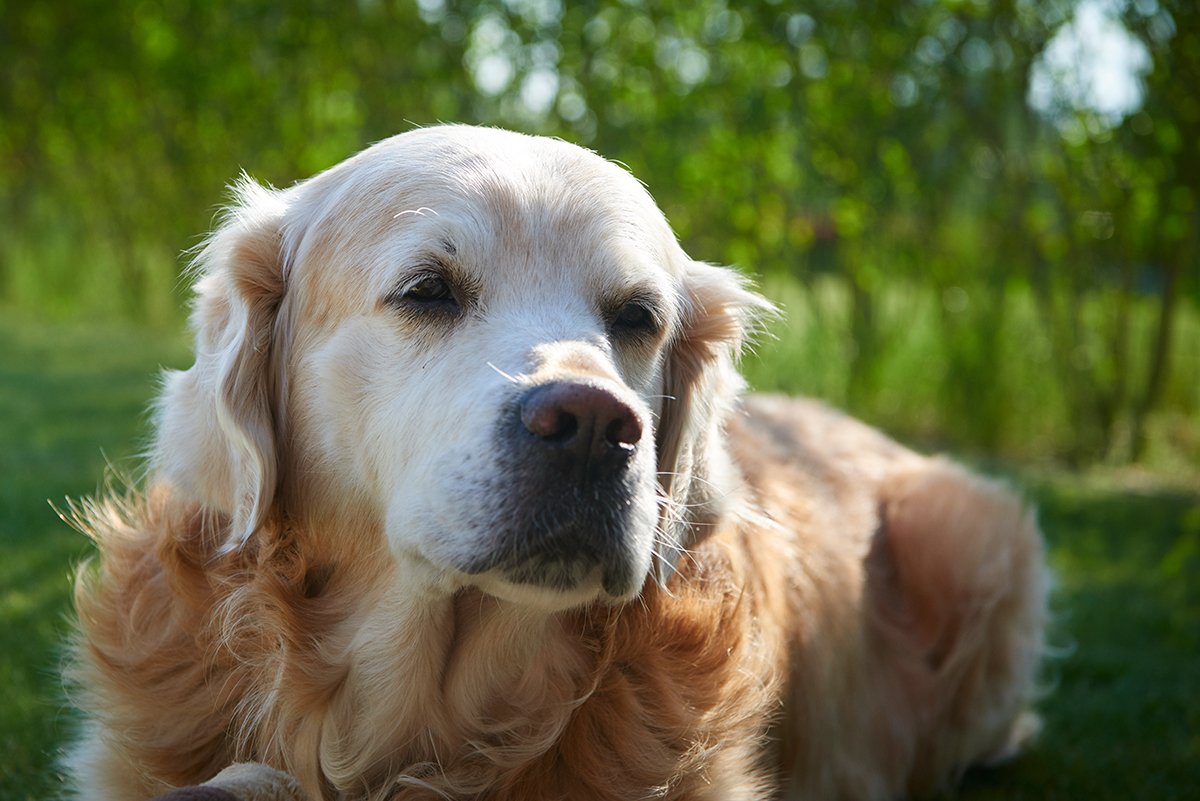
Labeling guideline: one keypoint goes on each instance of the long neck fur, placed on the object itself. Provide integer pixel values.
(367, 682)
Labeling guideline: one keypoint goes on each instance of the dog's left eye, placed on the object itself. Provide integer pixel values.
(428, 289)
(425, 294)
(634, 318)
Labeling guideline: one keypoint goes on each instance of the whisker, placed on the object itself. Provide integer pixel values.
(418, 212)
(693, 477)
(505, 375)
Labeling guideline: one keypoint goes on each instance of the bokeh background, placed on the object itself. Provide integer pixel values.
(981, 220)
(982, 216)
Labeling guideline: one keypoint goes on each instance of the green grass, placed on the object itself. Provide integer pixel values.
(1123, 705)
(71, 398)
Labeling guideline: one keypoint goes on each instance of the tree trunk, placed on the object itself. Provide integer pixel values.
(1159, 355)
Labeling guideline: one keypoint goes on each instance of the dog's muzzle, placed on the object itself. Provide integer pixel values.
(571, 479)
(586, 430)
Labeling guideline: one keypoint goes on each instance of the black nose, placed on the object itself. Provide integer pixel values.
(590, 423)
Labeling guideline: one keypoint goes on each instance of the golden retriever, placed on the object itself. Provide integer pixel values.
(460, 499)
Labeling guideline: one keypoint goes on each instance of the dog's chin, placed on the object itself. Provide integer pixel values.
(557, 554)
(544, 599)
(556, 591)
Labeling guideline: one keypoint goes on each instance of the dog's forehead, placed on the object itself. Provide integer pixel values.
(509, 174)
(508, 203)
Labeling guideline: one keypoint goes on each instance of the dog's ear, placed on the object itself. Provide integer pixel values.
(217, 421)
(701, 382)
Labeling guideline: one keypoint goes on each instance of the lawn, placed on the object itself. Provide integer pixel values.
(1122, 703)
(71, 400)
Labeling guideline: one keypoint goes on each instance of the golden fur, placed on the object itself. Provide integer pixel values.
(829, 614)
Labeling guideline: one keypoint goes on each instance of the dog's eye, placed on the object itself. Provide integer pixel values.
(429, 289)
(634, 318)
(425, 294)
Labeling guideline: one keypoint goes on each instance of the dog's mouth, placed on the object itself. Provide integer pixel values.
(569, 547)
(569, 509)
(618, 580)
(558, 587)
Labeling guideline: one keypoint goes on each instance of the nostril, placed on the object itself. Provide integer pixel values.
(587, 421)
(568, 424)
(549, 421)
(624, 430)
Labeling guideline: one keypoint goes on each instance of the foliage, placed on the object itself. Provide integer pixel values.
(886, 150)
(931, 390)
(1122, 707)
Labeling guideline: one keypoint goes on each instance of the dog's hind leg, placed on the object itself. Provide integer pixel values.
(957, 597)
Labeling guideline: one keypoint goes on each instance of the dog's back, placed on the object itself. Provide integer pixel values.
(919, 595)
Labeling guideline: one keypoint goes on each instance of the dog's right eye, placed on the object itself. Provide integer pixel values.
(426, 293)
(636, 318)
(428, 289)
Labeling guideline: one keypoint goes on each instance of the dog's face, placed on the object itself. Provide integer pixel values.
(488, 345)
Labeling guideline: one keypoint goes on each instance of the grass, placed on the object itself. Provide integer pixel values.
(70, 399)
(1123, 707)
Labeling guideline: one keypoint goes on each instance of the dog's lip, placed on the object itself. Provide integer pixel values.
(619, 582)
(614, 575)
(614, 583)
(584, 593)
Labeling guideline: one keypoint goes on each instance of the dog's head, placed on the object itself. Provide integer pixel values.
(486, 345)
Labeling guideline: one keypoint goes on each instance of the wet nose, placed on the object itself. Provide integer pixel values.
(588, 422)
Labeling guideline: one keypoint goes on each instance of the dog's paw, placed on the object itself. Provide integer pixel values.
(243, 781)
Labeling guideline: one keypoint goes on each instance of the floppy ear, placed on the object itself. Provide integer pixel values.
(701, 383)
(217, 421)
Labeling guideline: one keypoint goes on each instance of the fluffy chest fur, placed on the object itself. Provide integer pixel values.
(270, 658)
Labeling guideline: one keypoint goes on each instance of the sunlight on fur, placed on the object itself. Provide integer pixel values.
(462, 498)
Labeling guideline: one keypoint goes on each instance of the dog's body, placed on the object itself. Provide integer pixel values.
(459, 499)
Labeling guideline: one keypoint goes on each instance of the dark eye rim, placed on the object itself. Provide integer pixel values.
(407, 297)
(635, 317)
(441, 289)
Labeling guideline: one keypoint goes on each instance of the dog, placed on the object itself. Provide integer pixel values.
(463, 498)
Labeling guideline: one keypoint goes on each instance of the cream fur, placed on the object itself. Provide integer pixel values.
(825, 614)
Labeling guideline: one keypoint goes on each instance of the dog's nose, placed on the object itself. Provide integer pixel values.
(588, 421)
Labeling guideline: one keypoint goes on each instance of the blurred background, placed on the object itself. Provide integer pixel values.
(980, 219)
